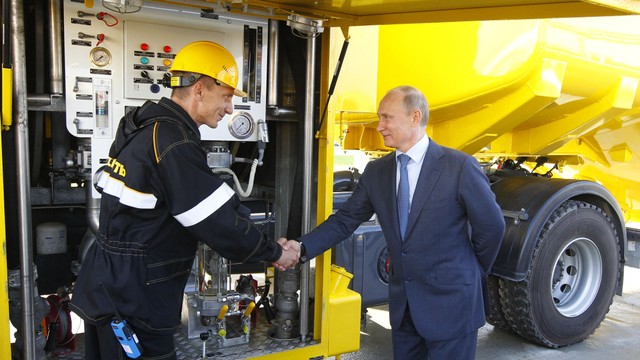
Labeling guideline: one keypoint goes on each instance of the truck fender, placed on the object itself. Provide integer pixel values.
(528, 202)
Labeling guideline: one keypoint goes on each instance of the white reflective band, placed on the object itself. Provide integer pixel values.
(127, 196)
(206, 207)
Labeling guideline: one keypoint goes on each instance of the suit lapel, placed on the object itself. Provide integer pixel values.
(431, 170)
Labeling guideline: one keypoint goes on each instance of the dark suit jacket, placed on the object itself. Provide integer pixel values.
(453, 235)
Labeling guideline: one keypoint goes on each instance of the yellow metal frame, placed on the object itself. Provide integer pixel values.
(529, 89)
(7, 115)
(345, 14)
(5, 344)
(337, 309)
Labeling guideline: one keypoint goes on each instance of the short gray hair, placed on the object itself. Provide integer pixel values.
(414, 99)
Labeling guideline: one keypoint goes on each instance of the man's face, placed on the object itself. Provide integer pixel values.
(396, 126)
(214, 105)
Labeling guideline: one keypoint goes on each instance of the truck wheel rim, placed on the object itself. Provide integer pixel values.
(576, 277)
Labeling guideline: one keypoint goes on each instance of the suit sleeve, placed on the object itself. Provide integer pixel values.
(483, 213)
(356, 210)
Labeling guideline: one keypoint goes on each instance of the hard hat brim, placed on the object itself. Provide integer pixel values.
(240, 93)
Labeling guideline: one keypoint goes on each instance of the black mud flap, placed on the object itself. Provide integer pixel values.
(633, 248)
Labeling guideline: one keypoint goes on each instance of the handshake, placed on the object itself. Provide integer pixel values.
(290, 254)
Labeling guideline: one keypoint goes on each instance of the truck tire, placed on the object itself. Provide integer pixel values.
(496, 317)
(571, 279)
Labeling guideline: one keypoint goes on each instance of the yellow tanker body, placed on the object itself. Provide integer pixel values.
(564, 89)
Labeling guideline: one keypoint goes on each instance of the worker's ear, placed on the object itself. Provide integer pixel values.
(197, 90)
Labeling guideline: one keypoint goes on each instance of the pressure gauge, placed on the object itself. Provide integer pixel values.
(100, 56)
(241, 125)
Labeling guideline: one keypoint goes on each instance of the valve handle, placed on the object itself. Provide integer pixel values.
(249, 309)
(223, 312)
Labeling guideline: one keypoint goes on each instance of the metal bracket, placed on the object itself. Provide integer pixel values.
(304, 27)
(517, 216)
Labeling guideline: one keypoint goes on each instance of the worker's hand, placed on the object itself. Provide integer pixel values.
(291, 244)
(290, 254)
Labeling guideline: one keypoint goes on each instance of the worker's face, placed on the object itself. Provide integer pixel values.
(399, 129)
(214, 102)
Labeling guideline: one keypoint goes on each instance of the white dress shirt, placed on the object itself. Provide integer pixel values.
(416, 153)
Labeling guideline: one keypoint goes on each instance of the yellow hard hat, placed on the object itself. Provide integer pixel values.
(211, 59)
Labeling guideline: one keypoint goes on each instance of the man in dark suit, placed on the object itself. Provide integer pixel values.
(442, 256)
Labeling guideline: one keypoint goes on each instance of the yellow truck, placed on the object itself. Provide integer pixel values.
(543, 93)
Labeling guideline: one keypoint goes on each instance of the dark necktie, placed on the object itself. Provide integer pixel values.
(403, 194)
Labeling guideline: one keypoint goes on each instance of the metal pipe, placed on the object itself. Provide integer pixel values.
(93, 213)
(306, 184)
(24, 196)
(55, 46)
(46, 102)
(39, 100)
(291, 113)
(272, 73)
(93, 208)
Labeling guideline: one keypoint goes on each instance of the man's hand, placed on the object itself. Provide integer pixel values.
(290, 244)
(290, 254)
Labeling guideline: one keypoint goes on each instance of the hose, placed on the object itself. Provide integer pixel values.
(252, 175)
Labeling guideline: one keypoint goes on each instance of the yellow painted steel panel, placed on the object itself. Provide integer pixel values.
(630, 6)
(621, 153)
(7, 97)
(377, 12)
(455, 62)
(343, 313)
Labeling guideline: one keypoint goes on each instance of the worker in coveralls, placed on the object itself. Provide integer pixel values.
(159, 199)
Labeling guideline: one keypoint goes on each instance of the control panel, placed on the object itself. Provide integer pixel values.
(115, 61)
(149, 57)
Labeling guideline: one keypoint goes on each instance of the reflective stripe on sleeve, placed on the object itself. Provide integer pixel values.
(126, 195)
(206, 207)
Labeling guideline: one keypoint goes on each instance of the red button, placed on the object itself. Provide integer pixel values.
(167, 49)
(144, 46)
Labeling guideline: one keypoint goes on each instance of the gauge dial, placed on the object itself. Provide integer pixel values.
(100, 56)
(241, 125)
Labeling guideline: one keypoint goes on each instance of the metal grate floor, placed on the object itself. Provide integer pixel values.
(260, 343)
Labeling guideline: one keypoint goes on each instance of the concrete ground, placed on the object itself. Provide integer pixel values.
(618, 337)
